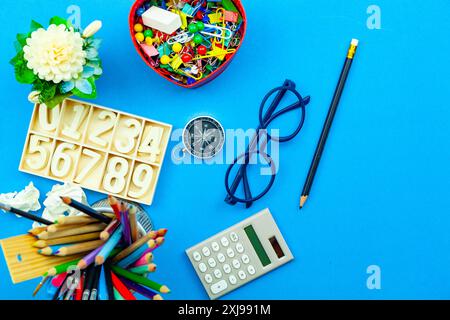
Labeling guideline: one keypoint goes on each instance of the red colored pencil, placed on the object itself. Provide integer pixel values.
(79, 290)
(115, 206)
(121, 288)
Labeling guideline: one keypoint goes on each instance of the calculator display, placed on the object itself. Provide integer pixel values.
(257, 245)
(276, 247)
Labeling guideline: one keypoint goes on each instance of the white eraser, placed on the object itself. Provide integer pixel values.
(161, 20)
(355, 42)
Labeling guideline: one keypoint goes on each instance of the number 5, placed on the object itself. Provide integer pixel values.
(35, 147)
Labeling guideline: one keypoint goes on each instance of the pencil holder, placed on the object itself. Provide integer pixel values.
(196, 53)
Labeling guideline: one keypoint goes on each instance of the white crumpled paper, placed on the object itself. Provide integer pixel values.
(26, 200)
(55, 207)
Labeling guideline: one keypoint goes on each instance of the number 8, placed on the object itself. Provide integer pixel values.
(114, 181)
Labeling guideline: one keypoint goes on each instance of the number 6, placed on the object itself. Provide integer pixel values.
(58, 157)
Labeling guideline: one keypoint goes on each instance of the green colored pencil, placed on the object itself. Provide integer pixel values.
(117, 295)
(140, 280)
(143, 269)
(61, 268)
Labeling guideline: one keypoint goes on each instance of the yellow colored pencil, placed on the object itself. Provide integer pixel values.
(65, 240)
(79, 248)
(72, 232)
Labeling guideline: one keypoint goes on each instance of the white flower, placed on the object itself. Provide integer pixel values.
(33, 97)
(92, 29)
(55, 54)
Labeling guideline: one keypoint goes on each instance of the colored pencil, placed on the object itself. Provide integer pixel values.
(58, 291)
(117, 295)
(125, 223)
(141, 290)
(133, 224)
(89, 258)
(70, 220)
(108, 281)
(127, 251)
(121, 288)
(36, 231)
(79, 248)
(69, 239)
(64, 267)
(94, 290)
(114, 203)
(140, 280)
(61, 227)
(133, 257)
(328, 122)
(102, 288)
(51, 250)
(109, 246)
(86, 209)
(88, 282)
(24, 214)
(144, 269)
(159, 241)
(72, 232)
(105, 234)
(79, 290)
(145, 259)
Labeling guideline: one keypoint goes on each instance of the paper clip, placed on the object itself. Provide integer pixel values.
(225, 33)
(190, 75)
(180, 38)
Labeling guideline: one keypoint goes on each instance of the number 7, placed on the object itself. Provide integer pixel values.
(90, 166)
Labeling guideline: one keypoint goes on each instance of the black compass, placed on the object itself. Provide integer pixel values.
(203, 137)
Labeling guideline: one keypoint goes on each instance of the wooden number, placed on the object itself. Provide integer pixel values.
(61, 162)
(151, 143)
(87, 169)
(72, 130)
(109, 119)
(133, 132)
(142, 178)
(116, 171)
(48, 120)
(35, 147)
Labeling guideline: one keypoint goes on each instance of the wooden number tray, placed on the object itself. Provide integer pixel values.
(99, 148)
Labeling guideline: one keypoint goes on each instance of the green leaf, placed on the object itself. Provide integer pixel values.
(18, 59)
(25, 75)
(57, 99)
(22, 38)
(58, 21)
(48, 92)
(93, 94)
(35, 26)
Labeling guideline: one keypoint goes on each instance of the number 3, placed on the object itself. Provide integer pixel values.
(134, 128)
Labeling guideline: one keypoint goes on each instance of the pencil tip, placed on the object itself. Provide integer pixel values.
(303, 201)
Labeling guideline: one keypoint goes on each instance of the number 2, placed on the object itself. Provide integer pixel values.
(110, 118)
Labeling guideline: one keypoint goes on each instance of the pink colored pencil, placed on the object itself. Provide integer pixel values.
(145, 259)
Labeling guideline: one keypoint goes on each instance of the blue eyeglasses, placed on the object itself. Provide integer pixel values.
(256, 146)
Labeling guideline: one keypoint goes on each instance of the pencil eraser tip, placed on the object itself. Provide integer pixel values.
(355, 42)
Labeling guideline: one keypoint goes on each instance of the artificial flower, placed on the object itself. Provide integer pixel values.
(92, 29)
(55, 54)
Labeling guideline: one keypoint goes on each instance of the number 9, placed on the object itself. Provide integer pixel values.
(142, 178)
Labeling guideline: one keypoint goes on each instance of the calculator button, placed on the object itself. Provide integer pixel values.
(226, 268)
(212, 262)
(245, 259)
(232, 279)
(218, 273)
(202, 267)
(208, 278)
(215, 246)
(234, 237)
(197, 256)
(221, 257)
(251, 269)
(239, 247)
(242, 275)
(206, 251)
(224, 241)
(236, 264)
(230, 253)
(219, 287)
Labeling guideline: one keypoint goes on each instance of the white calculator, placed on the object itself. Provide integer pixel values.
(239, 254)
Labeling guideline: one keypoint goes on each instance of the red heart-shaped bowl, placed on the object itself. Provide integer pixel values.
(134, 18)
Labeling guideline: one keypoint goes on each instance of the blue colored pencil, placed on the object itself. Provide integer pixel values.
(109, 246)
(136, 254)
(102, 289)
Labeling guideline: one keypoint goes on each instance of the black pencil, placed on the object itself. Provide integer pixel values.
(328, 122)
(88, 282)
(25, 214)
(86, 209)
(108, 280)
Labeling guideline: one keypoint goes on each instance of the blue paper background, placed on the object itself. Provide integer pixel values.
(381, 195)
